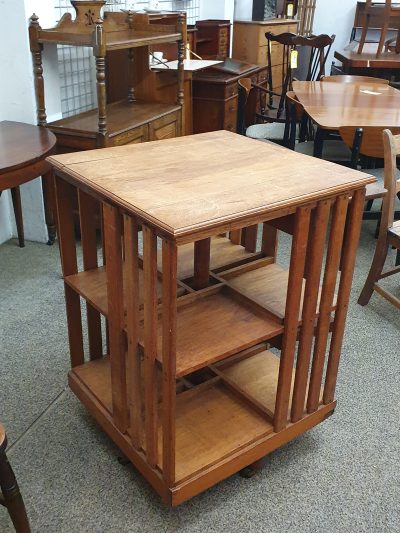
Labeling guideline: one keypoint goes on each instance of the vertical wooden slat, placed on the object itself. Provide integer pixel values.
(326, 303)
(133, 364)
(269, 242)
(150, 343)
(294, 290)
(112, 240)
(250, 241)
(315, 250)
(348, 262)
(235, 236)
(169, 312)
(88, 208)
(201, 263)
(69, 266)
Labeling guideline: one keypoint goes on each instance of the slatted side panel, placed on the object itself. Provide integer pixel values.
(308, 349)
(66, 237)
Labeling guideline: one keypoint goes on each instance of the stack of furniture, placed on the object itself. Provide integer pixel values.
(250, 44)
(384, 13)
(215, 94)
(135, 118)
(213, 39)
(186, 386)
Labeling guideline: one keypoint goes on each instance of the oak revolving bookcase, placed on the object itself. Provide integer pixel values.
(135, 118)
(215, 354)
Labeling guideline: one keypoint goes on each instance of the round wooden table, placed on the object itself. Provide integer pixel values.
(23, 152)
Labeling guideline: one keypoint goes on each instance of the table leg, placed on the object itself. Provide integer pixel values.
(319, 143)
(16, 200)
(49, 205)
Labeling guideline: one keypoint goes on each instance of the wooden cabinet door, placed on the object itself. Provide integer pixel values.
(164, 127)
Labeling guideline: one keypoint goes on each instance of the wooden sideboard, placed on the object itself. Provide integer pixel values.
(136, 116)
(250, 44)
(215, 94)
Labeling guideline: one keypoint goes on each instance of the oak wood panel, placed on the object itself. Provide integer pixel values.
(221, 194)
(113, 252)
(267, 285)
(231, 326)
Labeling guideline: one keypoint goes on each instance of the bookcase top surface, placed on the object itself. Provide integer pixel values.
(201, 183)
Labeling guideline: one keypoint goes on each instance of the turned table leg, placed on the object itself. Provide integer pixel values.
(11, 496)
(49, 205)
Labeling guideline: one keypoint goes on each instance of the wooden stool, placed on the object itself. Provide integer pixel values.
(23, 150)
(10, 495)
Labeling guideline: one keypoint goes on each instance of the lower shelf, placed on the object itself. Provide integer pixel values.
(211, 421)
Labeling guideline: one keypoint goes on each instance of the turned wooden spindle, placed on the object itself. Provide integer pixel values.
(100, 53)
(36, 49)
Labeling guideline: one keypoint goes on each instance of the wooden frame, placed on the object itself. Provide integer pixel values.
(189, 390)
(136, 117)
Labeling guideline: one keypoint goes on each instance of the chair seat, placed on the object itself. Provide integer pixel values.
(394, 231)
(374, 190)
(271, 131)
(333, 150)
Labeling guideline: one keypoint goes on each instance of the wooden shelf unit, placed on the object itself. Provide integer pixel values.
(136, 118)
(189, 391)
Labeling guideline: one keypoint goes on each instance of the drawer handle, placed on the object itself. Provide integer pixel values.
(232, 109)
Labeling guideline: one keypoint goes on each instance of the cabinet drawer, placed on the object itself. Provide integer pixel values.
(137, 135)
(164, 128)
(230, 114)
(215, 91)
(276, 29)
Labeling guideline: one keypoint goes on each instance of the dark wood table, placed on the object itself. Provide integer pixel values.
(386, 66)
(23, 150)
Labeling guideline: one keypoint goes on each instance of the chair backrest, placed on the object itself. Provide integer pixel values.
(294, 115)
(320, 46)
(391, 145)
(285, 81)
(347, 78)
(370, 143)
(244, 90)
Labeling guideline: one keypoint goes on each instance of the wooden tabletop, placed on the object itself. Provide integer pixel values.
(332, 105)
(200, 183)
(368, 59)
(23, 144)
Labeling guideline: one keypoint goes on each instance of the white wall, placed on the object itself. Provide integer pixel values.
(217, 9)
(335, 17)
(17, 102)
(331, 17)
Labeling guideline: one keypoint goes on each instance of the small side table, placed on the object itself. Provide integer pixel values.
(23, 150)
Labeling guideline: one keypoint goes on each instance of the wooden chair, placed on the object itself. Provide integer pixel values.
(10, 495)
(281, 133)
(389, 232)
(347, 78)
(320, 45)
(385, 12)
(367, 142)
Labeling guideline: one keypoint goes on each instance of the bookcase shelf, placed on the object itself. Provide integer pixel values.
(190, 390)
(231, 326)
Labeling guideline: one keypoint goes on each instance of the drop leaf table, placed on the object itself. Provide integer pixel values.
(214, 354)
